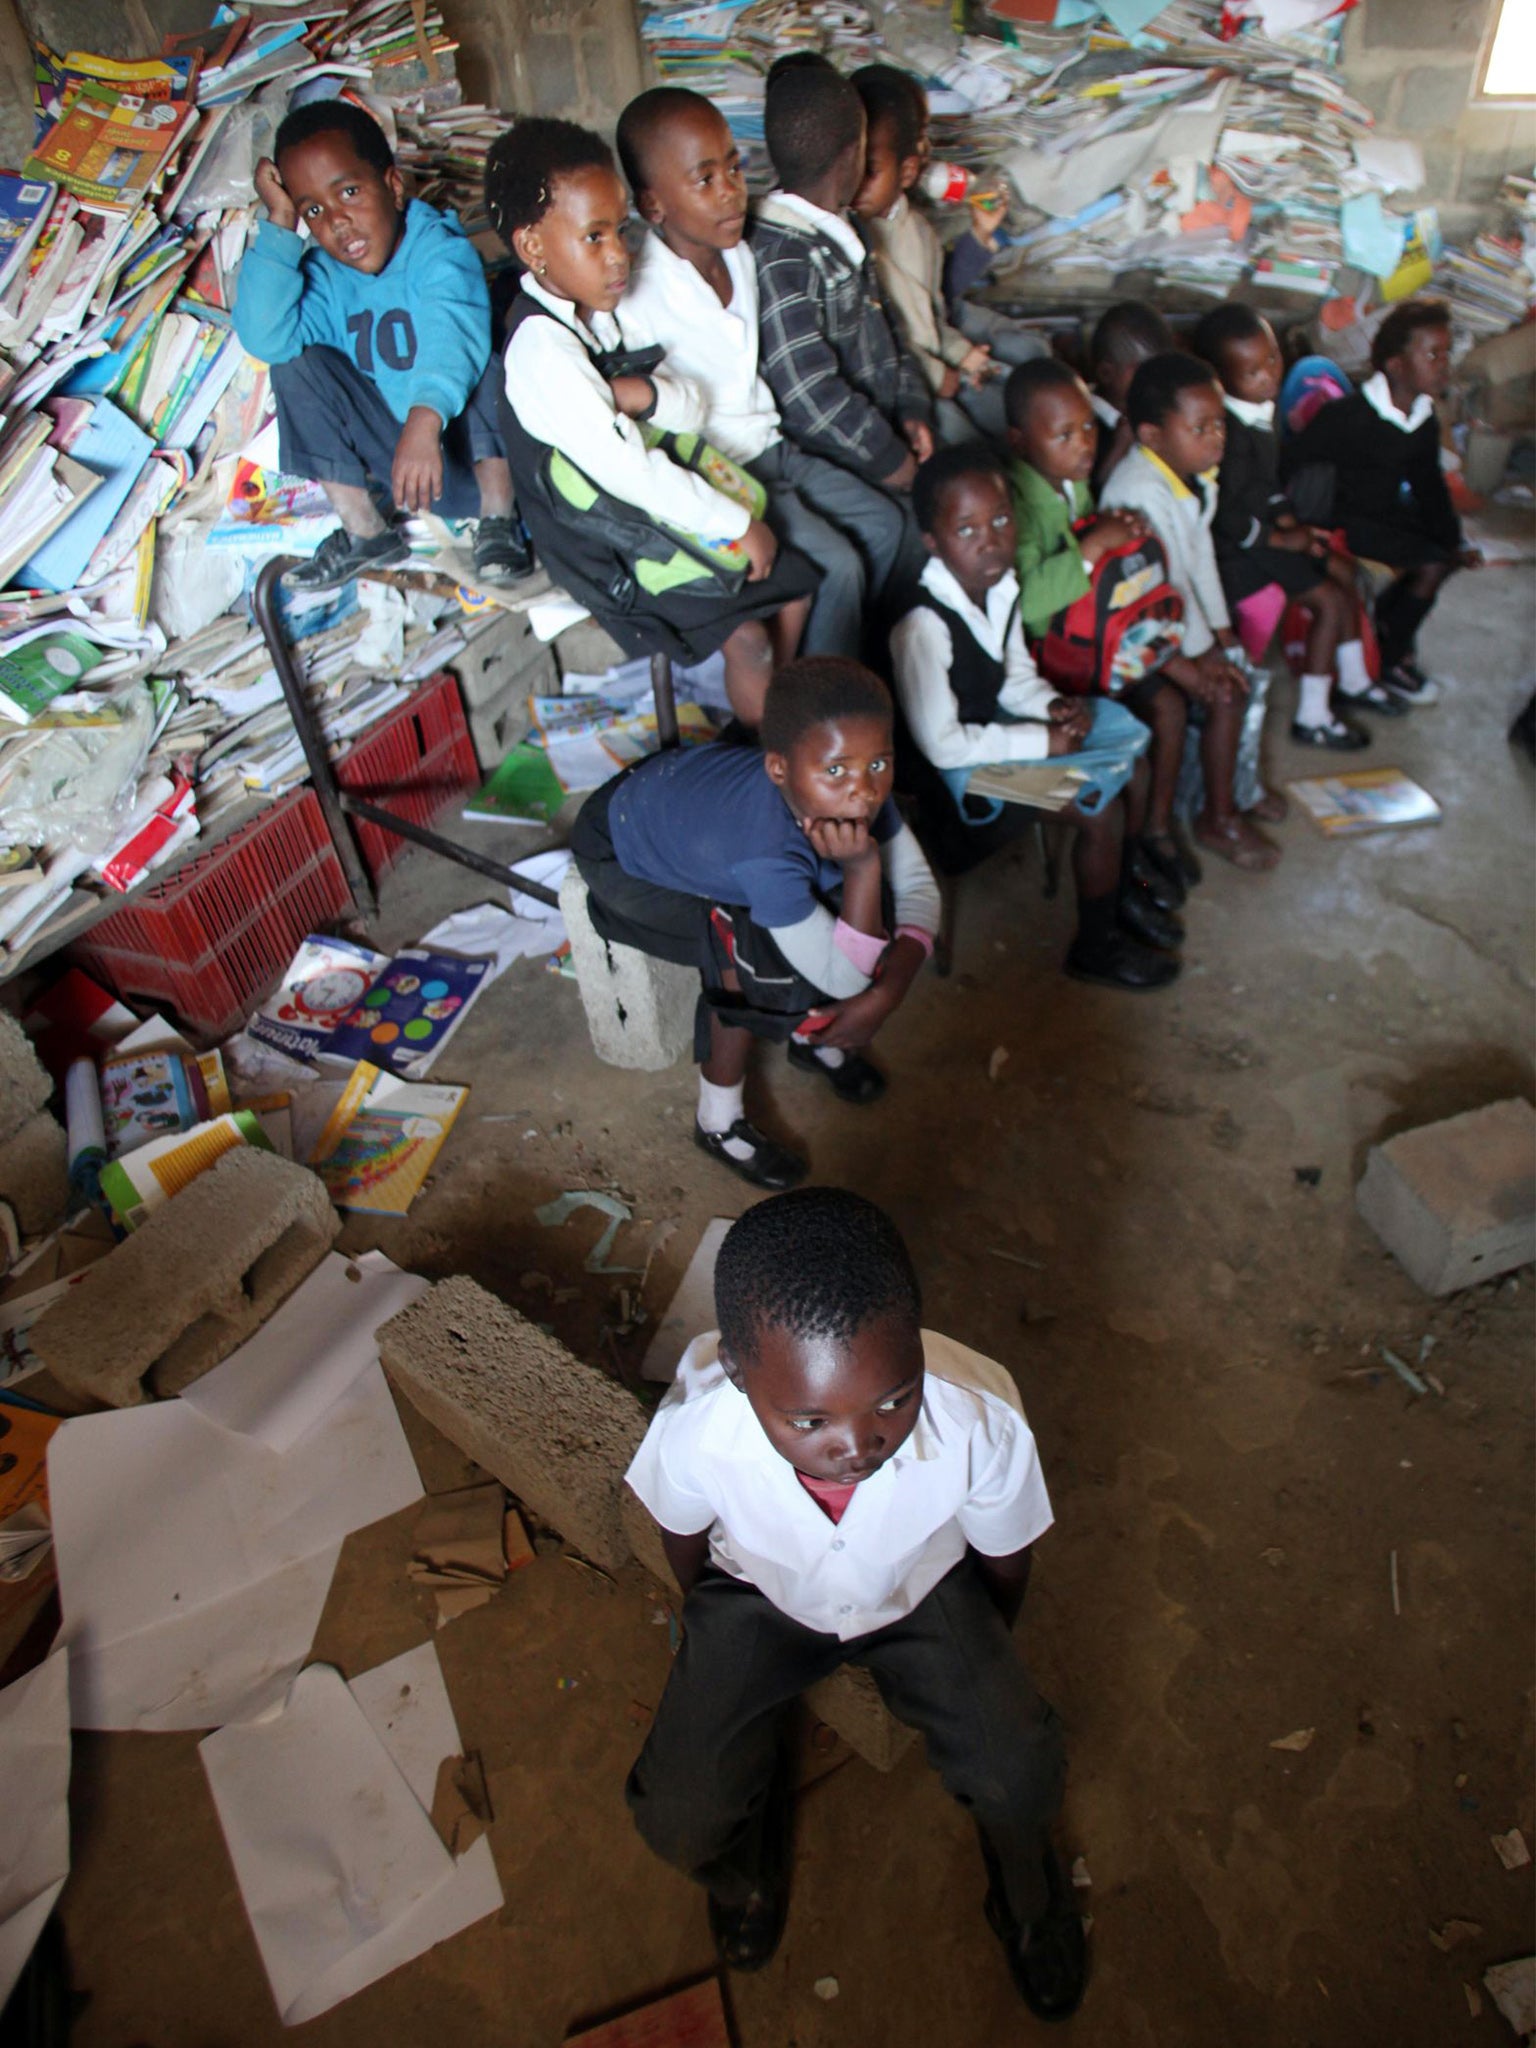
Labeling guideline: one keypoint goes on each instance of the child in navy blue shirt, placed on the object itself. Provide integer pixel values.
(787, 878)
(378, 331)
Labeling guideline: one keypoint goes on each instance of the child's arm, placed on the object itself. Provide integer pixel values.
(1006, 1579)
(820, 408)
(921, 656)
(687, 1556)
(1052, 571)
(853, 1022)
(1426, 480)
(451, 311)
(282, 308)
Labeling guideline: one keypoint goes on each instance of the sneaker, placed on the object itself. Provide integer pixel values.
(857, 1080)
(502, 553)
(1338, 735)
(1121, 962)
(767, 1165)
(340, 557)
(1409, 682)
(1048, 1960)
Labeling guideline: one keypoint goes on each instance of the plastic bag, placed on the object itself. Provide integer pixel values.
(227, 174)
(76, 786)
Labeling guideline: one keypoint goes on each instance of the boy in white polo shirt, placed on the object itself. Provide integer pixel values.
(835, 1484)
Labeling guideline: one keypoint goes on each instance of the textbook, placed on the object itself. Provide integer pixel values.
(325, 981)
(24, 208)
(523, 788)
(404, 1020)
(1364, 800)
(1042, 785)
(381, 1139)
(111, 148)
(35, 671)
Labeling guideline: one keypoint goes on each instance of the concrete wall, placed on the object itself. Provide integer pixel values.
(1414, 63)
(580, 60)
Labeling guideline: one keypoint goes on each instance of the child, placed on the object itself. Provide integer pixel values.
(787, 878)
(837, 1485)
(379, 337)
(554, 196)
(1175, 406)
(1053, 437)
(1125, 337)
(961, 375)
(971, 696)
(846, 388)
(1390, 495)
(694, 290)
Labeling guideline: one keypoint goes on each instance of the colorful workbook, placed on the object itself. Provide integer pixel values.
(381, 1139)
(36, 671)
(404, 1019)
(1365, 800)
(326, 979)
(149, 1095)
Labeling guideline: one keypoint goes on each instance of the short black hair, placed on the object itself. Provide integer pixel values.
(1130, 330)
(1160, 384)
(1223, 328)
(645, 117)
(811, 114)
(1402, 324)
(817, 1262)
(1027, 380)
(816, 690)
(894, 97)
(524, 163)
(335, 117)
(948, 466)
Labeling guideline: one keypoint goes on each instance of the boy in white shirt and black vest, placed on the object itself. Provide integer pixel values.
(835, 1485)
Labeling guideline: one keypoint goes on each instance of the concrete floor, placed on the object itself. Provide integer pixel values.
(1194, 1326)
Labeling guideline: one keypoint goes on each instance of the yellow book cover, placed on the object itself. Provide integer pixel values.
(381, 1140)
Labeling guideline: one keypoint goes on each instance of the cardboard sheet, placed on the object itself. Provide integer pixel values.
(194, 1559)
(34, 1796)
(325, 1807)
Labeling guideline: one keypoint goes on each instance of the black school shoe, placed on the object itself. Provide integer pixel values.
(769, 1165)
(1164, 884)
(1048, 1960)
(1377, 698)
(1121, 962)
(857, 1080)
(1340, 737)
(339, 558)
(1140, 916)
(746, 1937)
(502, 553)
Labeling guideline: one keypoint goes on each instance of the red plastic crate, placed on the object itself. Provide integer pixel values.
(213, 941)
(417, 761)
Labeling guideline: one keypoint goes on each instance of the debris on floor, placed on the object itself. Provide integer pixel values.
(694, 2018)
(691, 1311)
(1512, 1987)
(34, 1793)
(1298, 1740)
(458, 1550)
(552, 1214)
(1511, 1850)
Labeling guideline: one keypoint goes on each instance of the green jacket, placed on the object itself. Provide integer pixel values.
(1052, 573)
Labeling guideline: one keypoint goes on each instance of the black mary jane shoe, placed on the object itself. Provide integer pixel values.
(1141, 917)
(1122, 962)
(1377, 698)
(747, 1937)
(1165, 885)
(1339, 737)
(768, 1165)
(857, 1080)
(1048, 1960)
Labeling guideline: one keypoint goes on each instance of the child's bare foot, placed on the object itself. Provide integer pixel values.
(1271, 809)
(1234, 839)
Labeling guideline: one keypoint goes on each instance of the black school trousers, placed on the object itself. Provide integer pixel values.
(700, 1788)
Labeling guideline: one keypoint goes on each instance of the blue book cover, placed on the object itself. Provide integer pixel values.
(24, 204)
(110, 444)
(402, 1021)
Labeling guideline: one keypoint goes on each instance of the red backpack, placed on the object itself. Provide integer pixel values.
(1127, 623)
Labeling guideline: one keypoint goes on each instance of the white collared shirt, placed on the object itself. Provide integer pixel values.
(1108, 415)
(1377, 393)
(922, 654)
(713, 346)
(968, 1474)
(1252, 412)
(561, 399)
(835, 226)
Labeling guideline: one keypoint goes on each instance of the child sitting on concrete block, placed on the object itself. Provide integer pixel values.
(836, 1485)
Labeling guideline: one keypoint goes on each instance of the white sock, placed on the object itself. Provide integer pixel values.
(1314, 707)
(719, 1108)
(831, 1056)
(1354, 676)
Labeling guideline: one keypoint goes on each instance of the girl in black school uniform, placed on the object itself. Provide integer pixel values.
(663, 559)
(1382, 446)
(1261, 543)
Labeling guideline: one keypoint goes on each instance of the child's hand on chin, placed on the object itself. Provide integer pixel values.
(273, 195)
(844, 840)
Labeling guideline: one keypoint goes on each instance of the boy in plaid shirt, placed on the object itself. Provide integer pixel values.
(846, 387)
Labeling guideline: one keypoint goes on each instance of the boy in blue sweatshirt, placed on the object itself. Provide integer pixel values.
(378, 333)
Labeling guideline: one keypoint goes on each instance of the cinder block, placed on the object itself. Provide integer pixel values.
(639, 1010)
(191, 1284)
(34, 1173)
(1434, 96)
(850, 1704)
(25, 1085)
(587, 649)
(555, 1432)
(1455, 1202)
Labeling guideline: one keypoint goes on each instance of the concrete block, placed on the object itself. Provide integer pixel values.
(850, 1704)
(191, 1284)
(639, 1010)
(497, 655)
(587, 649)
(555, 1432)
(1455, 1202)
(552, 72)
(34, 1174)
(1434, 96)
(1425, 25)
(25, 1085)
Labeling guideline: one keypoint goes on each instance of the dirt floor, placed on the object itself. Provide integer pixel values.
(1148, 1215)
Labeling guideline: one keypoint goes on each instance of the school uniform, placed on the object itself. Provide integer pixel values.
(1052, 572)
(909, 262)
(802, 1582)
(558, 397)
(352, 354)
(1249, 500)
(1181, 514)
(851, 530)
(695, 856)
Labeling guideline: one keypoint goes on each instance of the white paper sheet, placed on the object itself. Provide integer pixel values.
(691, 1310)
(194, 1559)
(34, 1797)
(325, 1809)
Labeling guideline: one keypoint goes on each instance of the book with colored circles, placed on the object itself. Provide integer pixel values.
(404, 1020)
